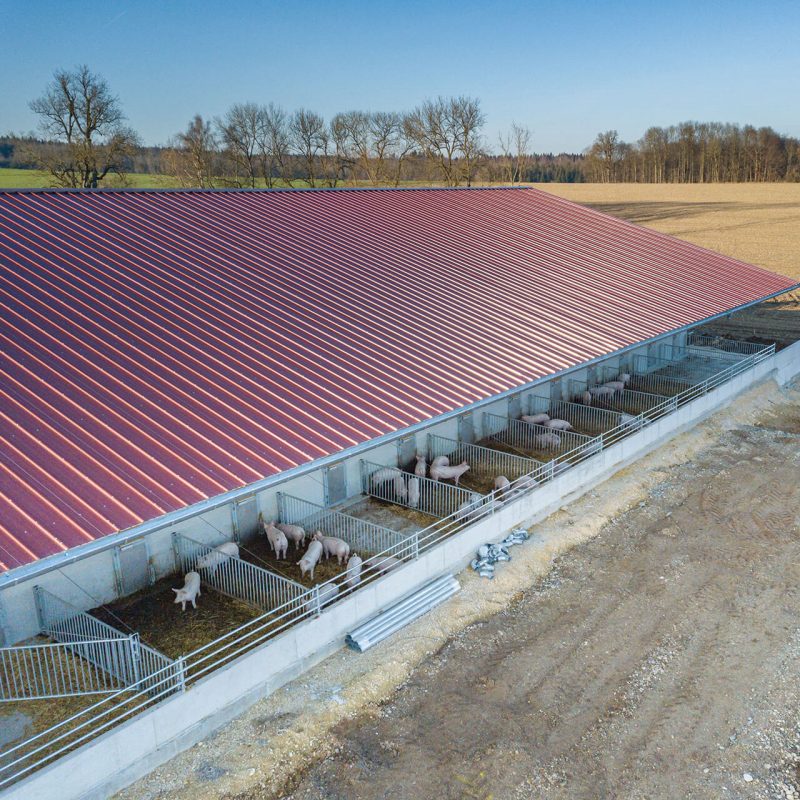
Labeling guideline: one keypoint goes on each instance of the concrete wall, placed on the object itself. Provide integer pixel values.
(131, 750)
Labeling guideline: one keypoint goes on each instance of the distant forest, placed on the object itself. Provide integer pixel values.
(83, 139)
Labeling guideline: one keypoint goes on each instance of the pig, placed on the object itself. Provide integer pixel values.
(277, 540)
(332, 546)
(547, 440)
(443, 473)
(219, 555)
(422, 466)
(469, 510)
(624, 377)
(327, 593)
(558, 425)
(629, 421)
(383, 475)
(400, 491)
(586, 398)
(501, 484)
(440, 461)
(413, 492)
(311, 556)
(190, 590)
(523, 484)
(615, 386)
(293, 532)
(383, 563)
(353, 573)
(535, 419)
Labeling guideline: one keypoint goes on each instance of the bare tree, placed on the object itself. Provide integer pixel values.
(79, 111)
(242, 132)
(375, 145)
(274, 145)
(430, 127)
(467, 119)
(447, 131)
(516, 148)
(309, 138)
(192, 156)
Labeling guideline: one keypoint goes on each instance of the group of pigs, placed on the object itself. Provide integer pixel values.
(278, 536)
(604, 394)
(407, 491)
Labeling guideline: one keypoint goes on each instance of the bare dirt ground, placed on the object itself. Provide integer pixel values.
(644, 643)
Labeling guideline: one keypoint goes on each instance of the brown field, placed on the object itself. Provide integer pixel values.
(755, 222)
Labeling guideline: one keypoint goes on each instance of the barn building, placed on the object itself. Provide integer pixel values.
(176, 364)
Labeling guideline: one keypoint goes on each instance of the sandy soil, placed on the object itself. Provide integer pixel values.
(645, 638)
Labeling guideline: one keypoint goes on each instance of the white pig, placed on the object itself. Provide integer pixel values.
(332, 546)
(421, 467)
(277, 540)
(353, 574)
(413, 492)
(624, 377)
(383, 563)
(535, 419)
(558, 425)
(443, 473)
(586, 398)
(327, 594)
(546, 440)
(501, 484)
(523, 484)
(310, 558)
(629, 421)
(470, 509)
(615, 386)
(189, 591)
(440, 461)
(400, 491)
(293, 532)
(382, 475)
(219, 555)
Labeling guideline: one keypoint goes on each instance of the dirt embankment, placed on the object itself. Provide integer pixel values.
(657, 658)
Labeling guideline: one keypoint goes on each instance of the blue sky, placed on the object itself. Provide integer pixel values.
(567, 70)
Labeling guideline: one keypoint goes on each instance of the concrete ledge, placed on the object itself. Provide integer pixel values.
(124, 754)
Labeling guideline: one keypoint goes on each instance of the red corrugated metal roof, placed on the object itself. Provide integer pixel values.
(159, 348)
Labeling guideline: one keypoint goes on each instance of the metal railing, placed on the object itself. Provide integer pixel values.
(485, 461)
(48, 745)
(435, 498)
(48, 670)
(725, 345)
(237, 578)
(362, 536)
(589, 420)
(536, 439)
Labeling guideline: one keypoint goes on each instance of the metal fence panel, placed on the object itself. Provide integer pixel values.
(486, 461)
(49, 670)
(725, 345)
(362, 536)
(538, 439)
(237, 578)
(435, 498)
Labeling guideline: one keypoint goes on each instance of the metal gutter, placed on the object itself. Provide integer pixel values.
(56, 561)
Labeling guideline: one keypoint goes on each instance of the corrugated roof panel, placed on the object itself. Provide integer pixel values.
(159, 348)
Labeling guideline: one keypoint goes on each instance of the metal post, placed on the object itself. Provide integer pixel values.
(136, 657)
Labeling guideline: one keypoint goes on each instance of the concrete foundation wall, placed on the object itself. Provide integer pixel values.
(131, 750)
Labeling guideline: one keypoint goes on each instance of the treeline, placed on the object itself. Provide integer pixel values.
(695, 152)
(84, 139)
